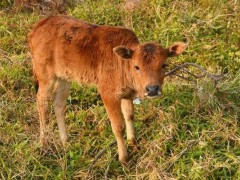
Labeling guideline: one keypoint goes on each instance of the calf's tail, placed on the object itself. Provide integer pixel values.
(36, 84)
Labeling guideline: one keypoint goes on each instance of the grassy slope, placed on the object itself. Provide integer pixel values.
(191, 133)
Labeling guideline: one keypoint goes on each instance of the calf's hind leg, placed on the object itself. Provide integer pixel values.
(43, 95)
(61, 90)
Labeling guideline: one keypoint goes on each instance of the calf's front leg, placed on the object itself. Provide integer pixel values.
(113, 107)
(128, 110)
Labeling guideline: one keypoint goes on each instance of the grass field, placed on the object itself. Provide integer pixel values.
(192, 132)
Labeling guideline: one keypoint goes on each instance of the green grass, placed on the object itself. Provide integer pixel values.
(192, 132)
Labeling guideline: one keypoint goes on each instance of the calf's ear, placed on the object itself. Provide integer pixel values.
(176, 49)
(123, 52)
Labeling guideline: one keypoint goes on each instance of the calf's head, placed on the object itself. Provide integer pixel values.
(148, 63)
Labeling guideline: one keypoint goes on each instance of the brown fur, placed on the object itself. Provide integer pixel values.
(65, 49)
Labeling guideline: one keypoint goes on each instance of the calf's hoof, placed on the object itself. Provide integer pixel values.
(132, 142)
(44, 141)
(123, 160)
(64, 140)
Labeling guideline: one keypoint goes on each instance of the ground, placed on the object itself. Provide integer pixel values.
(191, 132)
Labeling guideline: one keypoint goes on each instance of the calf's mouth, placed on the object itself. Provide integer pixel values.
(152, 95)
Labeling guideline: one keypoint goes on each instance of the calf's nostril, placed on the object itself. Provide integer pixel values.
(156, 88)
(147, 89)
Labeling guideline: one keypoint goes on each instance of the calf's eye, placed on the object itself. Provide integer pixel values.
(136, 67)
(164, 65)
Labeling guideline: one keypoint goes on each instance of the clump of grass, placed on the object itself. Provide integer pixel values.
(192, 132)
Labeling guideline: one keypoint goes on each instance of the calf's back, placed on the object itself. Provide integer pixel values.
(72, 49)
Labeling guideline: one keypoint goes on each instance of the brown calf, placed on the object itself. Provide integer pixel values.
(65, 49)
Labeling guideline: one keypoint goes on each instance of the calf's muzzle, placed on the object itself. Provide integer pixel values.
(153, 90)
